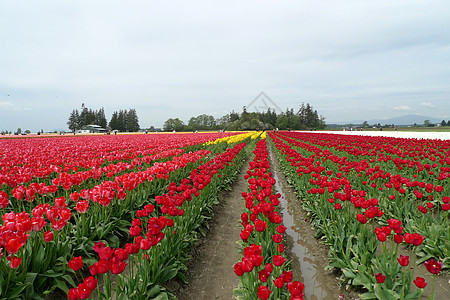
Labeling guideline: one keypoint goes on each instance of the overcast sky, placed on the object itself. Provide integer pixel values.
(350, 59)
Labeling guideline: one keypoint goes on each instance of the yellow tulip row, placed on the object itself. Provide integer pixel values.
(237, 138)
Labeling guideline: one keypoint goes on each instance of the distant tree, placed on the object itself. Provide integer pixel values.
(427, 123)
(27, 131)
(282, 122)
(443, 123)
(202, 122)
(244, 115)
(114, 122)
(365, 124)
(223, 122)
(19, 130)
(174, 124)
(100, 118)
(74, 121)
(132, 121)
(122, 120)
(234, 116)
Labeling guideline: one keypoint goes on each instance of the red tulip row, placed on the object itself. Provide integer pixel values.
(263, 269)
(28, 160)
(161, 230)
(16, 228)
(69, 180)
(335, 185)
(38, 241)
(401, 197)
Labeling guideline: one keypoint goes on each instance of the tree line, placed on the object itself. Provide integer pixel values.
(122, 120)
(305, 118)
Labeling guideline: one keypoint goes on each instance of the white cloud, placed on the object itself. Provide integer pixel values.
(6, 105)
(428, 104)
(157, 56)
(402, 108)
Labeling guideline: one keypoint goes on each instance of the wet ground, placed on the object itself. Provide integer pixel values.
(309, 256)
(211, 271)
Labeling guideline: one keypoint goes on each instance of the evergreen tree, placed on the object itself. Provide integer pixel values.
(114, 122)
(74, 121)
(132, 121)
(100, 118)
(122, 122)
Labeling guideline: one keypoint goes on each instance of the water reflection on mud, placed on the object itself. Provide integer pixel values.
(307, 263)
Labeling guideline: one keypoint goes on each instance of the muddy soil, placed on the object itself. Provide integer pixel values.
(309, 256)
(211, 271)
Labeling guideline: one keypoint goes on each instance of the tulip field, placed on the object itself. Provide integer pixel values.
(115, 216)
(369, 198)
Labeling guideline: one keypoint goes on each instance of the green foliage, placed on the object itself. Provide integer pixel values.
(174, 124)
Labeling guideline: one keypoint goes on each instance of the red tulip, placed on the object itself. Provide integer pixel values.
(90, 282)
(117, 266)
(73, 294)
(13, 245)
(380, 277)
(277, 238)
(15, 262)
(76, 263)
(279, 282)
(278, 260)
(433, 266)
(48, 236)
(260, 225)
(296, 288)
(263, 275)
(60, 202)
(238, 269)
(82, 206)
(420, 282)
(361, 218)
(102, 266)
(264, 292)
(403, 260)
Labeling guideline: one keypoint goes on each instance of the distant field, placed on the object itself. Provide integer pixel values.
(413, 129)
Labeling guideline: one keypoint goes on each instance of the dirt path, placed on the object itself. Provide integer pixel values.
(210, 272)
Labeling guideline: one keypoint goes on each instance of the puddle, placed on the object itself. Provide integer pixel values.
(307, 264)
(309, 257)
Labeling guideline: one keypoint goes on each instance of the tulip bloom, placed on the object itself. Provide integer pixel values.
(82, 206)
(420, 282)
(263, 292)
(278, 260)
(296, 288)
(260, 225)
(15, 262)
(433, 266)
(380, 277)
(403, 260)
(76, 263)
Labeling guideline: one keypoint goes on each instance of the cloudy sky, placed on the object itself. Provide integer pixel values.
(350, 59)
